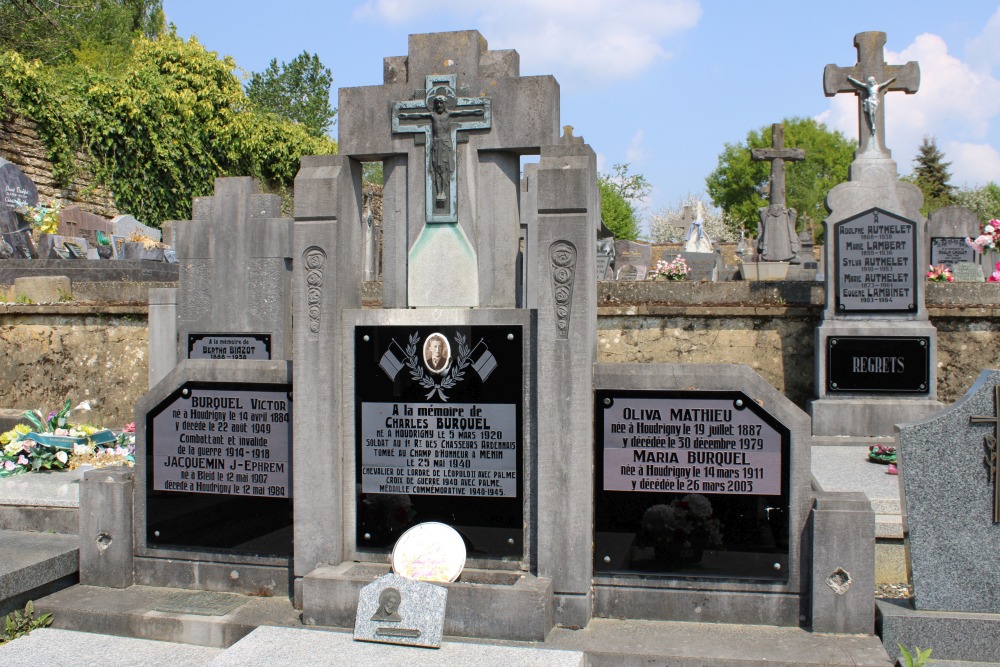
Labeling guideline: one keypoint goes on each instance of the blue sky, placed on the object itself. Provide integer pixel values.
(664, 84)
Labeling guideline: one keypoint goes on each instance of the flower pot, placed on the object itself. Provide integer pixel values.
(140, 251)
(763, 270)
(105, 251)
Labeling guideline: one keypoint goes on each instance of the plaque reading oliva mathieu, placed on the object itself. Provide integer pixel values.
(876, 259)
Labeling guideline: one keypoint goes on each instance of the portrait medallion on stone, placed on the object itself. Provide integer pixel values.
(437, 353)
(388, 606)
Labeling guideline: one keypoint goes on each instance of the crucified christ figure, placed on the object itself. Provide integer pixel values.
(870, 103)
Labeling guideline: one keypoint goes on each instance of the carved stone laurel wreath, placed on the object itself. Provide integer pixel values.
(563, 257)
(313, 260)
(454, 375)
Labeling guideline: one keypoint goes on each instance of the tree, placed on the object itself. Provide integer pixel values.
(59, 32)
(739, 185)
(298, 91)
(668, 225)
(621, 192)
(930, 174)
(985, 200)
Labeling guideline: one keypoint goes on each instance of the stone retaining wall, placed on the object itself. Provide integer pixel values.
(21, 145)
(98, 350)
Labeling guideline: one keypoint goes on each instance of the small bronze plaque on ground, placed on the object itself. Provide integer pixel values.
(200, 603)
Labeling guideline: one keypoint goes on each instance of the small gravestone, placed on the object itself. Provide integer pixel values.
(947, 229)
(396, 610)
(16, 190)
(704, 265)
(126, 225)
(57, 246)
(605, 257)
(632, 260)
(967, 272)
(951, 491)
(74, 221)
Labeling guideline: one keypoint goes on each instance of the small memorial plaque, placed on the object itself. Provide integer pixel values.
(219, 468)
(876, 260)
(878, 364)
(690, 483)
(396, 610)
(438, 423)
(950, 250)
(229, 346)
(430, 552)
(968, 272)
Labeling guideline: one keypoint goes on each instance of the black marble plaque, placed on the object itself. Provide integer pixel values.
(876, 263)
(439, 429)
(949, 250)
(16, 190)
(229, 346)
(878, 364)
(218, 469)
(690, 484)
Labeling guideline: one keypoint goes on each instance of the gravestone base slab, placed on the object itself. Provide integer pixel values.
(871, 417)
(267, 577)
(969, 637)
(489, 604)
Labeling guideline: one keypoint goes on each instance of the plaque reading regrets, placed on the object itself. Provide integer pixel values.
(876, 263)
(698, 445)
(438, 433)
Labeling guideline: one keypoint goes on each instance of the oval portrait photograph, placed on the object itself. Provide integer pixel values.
(437, 353)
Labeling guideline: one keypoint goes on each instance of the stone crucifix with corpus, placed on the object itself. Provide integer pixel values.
(778, 241)
(870, 79)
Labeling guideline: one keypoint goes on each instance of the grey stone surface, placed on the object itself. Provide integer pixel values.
(125, 225)
(525, 116)
(53, 246)
(492, 604)
(68, 648)
(16, 189)
(32, 564)
(43, 289)
(77, 271)
(947, 229)
(843, 564)
(106, 500)
(948, 494)
(235, 274)
(705, 266)
(162, 332)
(777, 603)
(967, 272)
(952, 635)
(269, 646)
(846, 468)
(48, 489)
(567, 326)
(396, 610)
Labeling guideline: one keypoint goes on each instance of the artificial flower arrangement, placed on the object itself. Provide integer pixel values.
(940, 274)
(989, 239)
(684, 521)
(43, 219)
(677, 269)
(53, 443)
(147, 243)
(881, 454)
(995, 276)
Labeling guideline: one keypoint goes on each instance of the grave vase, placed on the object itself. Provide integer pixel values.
(140, 251)
(688, 551)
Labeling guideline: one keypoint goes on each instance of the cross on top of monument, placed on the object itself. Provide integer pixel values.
(777, 155)
(991, 459)
(870, 79)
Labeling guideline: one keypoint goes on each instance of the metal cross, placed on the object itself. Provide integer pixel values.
(991, 457)
(870, 79)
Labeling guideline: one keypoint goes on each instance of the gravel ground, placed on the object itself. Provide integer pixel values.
(894, 591)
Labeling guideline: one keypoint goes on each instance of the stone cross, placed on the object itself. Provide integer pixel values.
(991, 457)
(434, 119)
(777, 155)
(449, 124)
(870, 79)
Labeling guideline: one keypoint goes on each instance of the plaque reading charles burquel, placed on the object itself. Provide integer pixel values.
(876, 263)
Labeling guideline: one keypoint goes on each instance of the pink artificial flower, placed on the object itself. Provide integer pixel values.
(130, 427)
(21, 461)
(9, 465)
(891, 469)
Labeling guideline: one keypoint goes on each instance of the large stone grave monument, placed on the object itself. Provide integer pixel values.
(951, 489)
(16, 190)
(778, 241)
(876, 349)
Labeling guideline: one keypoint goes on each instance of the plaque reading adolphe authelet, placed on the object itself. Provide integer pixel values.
(876, 263)
(439, 433)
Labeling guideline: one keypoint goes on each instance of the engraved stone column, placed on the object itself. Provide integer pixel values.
(568, 218)
(328, 236)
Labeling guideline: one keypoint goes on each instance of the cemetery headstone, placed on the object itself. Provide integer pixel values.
(967, 272)
(397, 610)
(57, 246)
(705, 266)
(632, 260)
(605, 257)
(778, 241)
(877, 349)
(947, 229)
(16, 190)
(951, 490)
(126, 225)
(74, 221)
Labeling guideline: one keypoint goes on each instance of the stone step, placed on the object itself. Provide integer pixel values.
(67, 648)
(41, 502)
(32, 565)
